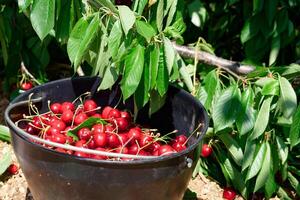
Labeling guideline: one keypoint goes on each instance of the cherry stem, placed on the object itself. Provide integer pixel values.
(200, 124)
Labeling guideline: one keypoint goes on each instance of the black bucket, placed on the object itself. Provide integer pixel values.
(52, 175)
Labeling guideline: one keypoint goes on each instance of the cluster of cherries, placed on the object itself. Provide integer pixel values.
(109, 130)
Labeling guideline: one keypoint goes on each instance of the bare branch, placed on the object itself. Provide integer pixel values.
(202, 56)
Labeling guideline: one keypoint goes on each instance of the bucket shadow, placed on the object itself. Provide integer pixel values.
(28, 195)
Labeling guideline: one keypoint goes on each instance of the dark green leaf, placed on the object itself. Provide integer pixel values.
(275, 47)
(127, 18)
(4, 134)
(233, 147)
(282, 20)
(294, 182)
(171, 13)
(282, 194)
(288, 98)
(169, 53)
(114, 39)
(249, 30)
(257, 163)
(249, 154)
(184, 73)
(271, 88)
(246, 118)
(162, 81)
(211, 82)
(145, 30)
(156, 102)
(271, 185)
(295, 129)
(262, 119)
(134, 64)
(141, 6)
(87, 123)
(270, 10)
(226, 107)
(160, 15)
(42, 17)
(197, 13)
(257, 5)
(189, 195)
(263, 175)
(283, 150)
(73, 136)
(153, 63)
(5, 162)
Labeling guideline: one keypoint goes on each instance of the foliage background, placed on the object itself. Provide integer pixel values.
(254, 128)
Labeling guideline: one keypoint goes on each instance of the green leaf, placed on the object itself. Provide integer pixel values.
(257, 5)
(184, 73)
(110, 77)
(171, 13)
(134, 64)
(282, 20)
(211, 82)
(271, 88)
(249, 30)
(275, 47)
(169, 54)
(156, 102)
(114, 39)
(24, 4)
(197, 13)
(162, 81)
(127, 18)
(257, 163)
(294, 182)
(160, 15)
(89, 36)
(271, 186)
(282, 194)
(261, 82)
(249, 154)
(142, 93)
(76, 37)
(262, 119)
(42, 17)
(265, 169)
(283, 150)
(295, 129)
(225, 108)
(87, 123)
(73, 136)
(145, 30)
(5, 162)
(233, 147)
(288, 98)
(246, 118)
(153, 64)
(4, 133)
(141, 5)
(270, 10)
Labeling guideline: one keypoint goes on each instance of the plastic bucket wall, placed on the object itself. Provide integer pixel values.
(52, 175)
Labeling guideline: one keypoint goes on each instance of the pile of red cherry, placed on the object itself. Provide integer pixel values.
(105, 129)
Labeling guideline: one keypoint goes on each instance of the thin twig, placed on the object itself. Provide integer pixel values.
(80, 71)
(202, 56)
(25, 70)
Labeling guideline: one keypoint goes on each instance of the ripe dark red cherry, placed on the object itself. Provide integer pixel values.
(229, 194)
(56, 108)
(67, 116)
(106, 111)
(84, 134)
(98, 128)
(81, 117)
(206, 150)
(89, 107)
(13, 169)
(100, 139)
(165, 150)
(178, 146)
(113, 114)
(26, 86)
(122, 123)
(67, 106)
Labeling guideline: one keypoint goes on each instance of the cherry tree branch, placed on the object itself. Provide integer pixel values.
(210, 59)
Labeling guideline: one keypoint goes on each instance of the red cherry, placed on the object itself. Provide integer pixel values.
(125, 115)
(133, 149)
(105, 112)
(67, 116)
(67, 106)
(178, 146)
(100, 139)
(52, 131)
(56, 108)
(97, 115)
(229, 194)
(81, 143)
(91, 144)
(37, 122)
(59, 138)
(58, 124)
(123, 137)
(61, 150)
(206, 150)
(89, 107)
(84, 134)
(98, 128)
(26, 86)
(180, 139)
(13, 169)
(145, 140)
(114, 113)
(99, 157)
(69, 140)
(122, 123)
(109, 128)
(121, 149)
(134, 133)
(165, 150)
(81, 154)
(31, 130)
(81, 117)
(155, 153)
(154, 146)
(143, 153)
(113, 140)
